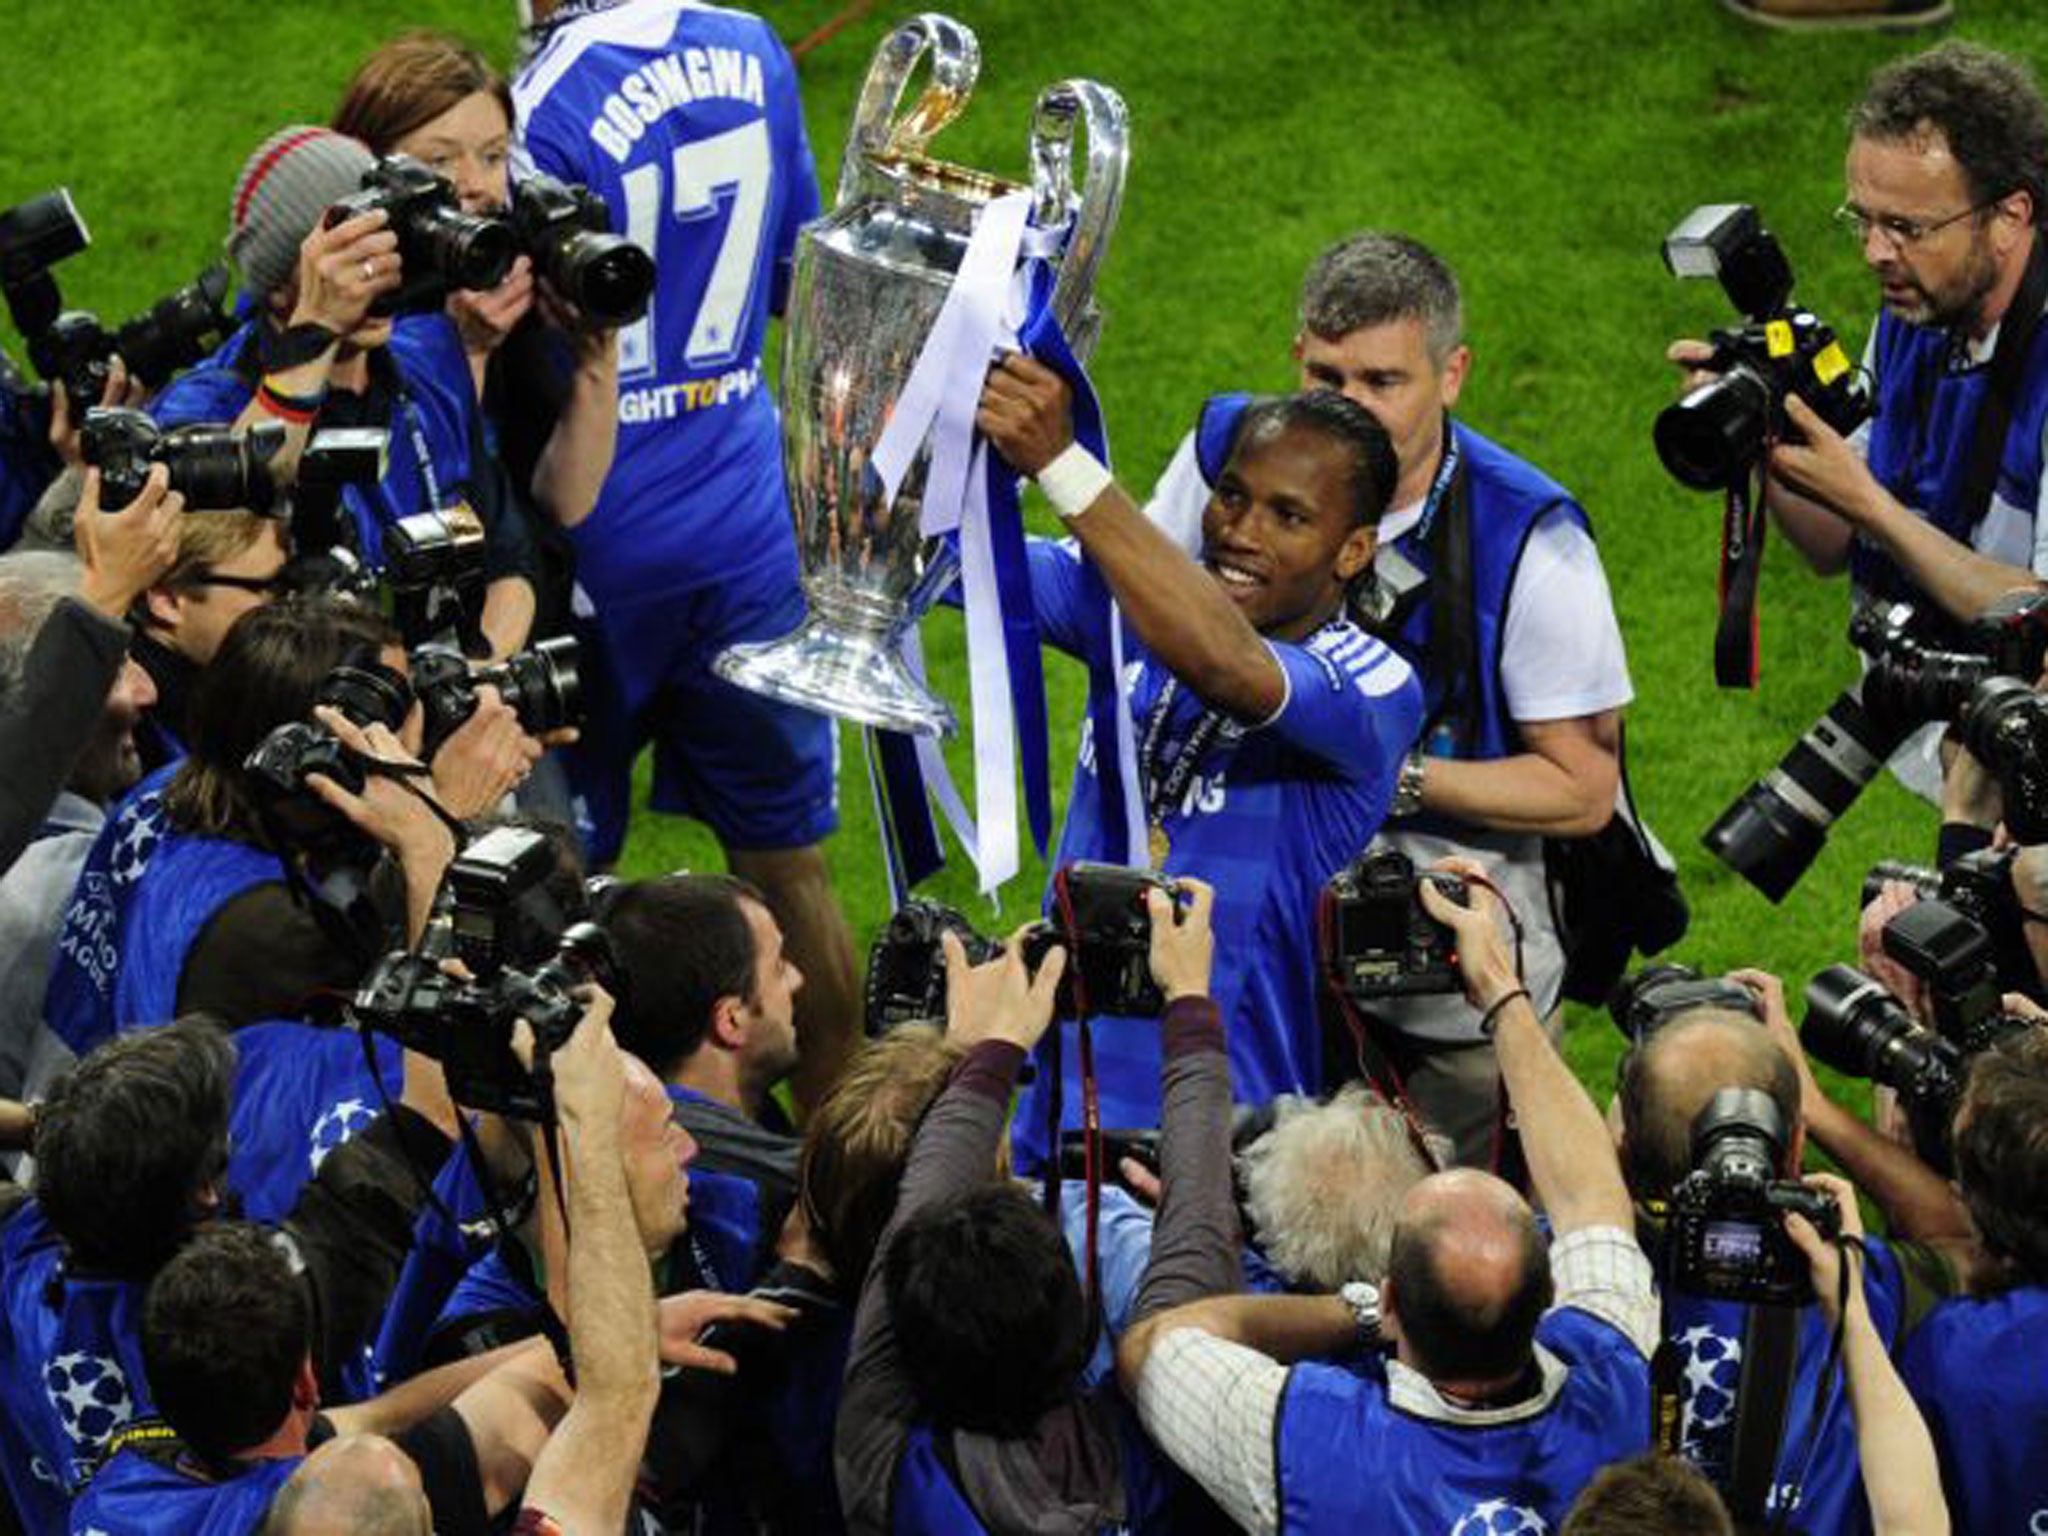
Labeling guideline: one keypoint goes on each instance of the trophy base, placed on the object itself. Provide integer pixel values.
(853, 677)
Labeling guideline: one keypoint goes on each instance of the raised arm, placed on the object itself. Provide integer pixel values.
(1572, 1165)
(1183, 617)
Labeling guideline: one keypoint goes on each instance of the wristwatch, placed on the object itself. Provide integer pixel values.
(295, 345)
(1364, 1301)
(1408, 786)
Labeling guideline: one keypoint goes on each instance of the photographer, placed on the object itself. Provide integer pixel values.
(1947, 187)
(1269, 730)
(1900, 1476)
(132, 1156)
(1510, 627)
(1497, 1379)
(962, 1400)
(1666, 1081)
(314, 355)
(193, 898)
(1973, 1364)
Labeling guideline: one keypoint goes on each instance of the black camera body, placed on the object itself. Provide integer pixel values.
(367, 692)
(1952, 954)
(1726, 1237)
(334, 459)
(1377, 939)
(277, 770)
(73, 347)
(466, 1024)
(1911, 682)
(440, 247)
(542, 685)
(1644, 1003)
(567, 232)
(2005, 726)
(434, 566)
(1100, 916)
(486, 884)
(1716, 436)
(217, 469)
(906, 977)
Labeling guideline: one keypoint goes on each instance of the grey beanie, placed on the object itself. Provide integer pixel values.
(285, 187)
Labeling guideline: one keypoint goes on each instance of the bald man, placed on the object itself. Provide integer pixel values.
(1489, 1379)
(355, 1485)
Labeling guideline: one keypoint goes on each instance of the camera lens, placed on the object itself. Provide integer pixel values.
(1855, 1026)
(469, 252)
(606, 277)
(1712, 437)
(221, 470)
(542, 685)
(1909, 686)
(1776, 829)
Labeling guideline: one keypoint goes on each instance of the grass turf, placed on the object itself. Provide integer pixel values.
(1543, 149)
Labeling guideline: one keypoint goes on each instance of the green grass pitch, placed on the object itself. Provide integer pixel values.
(1543, 146)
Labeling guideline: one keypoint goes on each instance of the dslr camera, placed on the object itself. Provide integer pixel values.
(1726, 1237)
(567, 231)
(277, 770)
(334, 459)
(72, 347)
(1377, 940)
(440, 247)
(1953, 956)
(434, 567)
(1858, 1028)
(466, 1025)
(2005, 726)
(542, 685)
(1979, 886)
(217, 469)
(1911, 682)
(1716, 436)
(906, 980)
(1644, 1003)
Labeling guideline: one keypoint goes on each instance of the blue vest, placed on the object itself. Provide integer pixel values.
(725, 1220)
(1708, 1336)
(70, 1369)
(1919, 446)
(299, 1093)
(143, 1495)
(141, 900)
(1505, 498)
(1974, 1365)
(441, 1253)
(438, 395)
(1349, 1460)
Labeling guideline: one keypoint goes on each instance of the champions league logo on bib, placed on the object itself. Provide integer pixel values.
(1497, 1517)
(1713, 1366)
(340, 1122)
(91, 1398)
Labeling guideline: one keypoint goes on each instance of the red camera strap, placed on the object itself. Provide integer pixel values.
(1743, 523)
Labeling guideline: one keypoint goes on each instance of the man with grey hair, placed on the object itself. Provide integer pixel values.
(47, 596)
(1321, 1187)
(1488, 582)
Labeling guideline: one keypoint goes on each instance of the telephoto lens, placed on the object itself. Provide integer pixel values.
(1855, 1026)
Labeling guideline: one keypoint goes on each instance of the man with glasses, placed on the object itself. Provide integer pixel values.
(228, 563)
(1947, 189)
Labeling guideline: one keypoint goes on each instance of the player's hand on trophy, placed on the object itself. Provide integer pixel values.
(1027, 411)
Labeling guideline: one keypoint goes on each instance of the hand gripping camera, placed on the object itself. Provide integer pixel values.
(542, 685)
(1716, 436)
(1726, 1237)
(567, 231)
(216, 469)
(440, 247)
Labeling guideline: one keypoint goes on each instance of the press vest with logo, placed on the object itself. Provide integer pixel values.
(145, 1492)
(71, 1371)
(1350, 1460)
(427, 353)
(1708, 1337)
(144, 896)
(928, 1501)
(1919, 449)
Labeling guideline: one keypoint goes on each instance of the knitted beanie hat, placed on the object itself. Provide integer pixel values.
(286, 186)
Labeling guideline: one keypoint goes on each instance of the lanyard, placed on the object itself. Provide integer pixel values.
(1440, 487)
(1163, 790)
(422, 455)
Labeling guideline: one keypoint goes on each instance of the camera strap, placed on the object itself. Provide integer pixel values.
(1091, 1108)
(2002, 388)
(1375, 1066)
(1770, 1351)
(422, 453)
(1743, 523)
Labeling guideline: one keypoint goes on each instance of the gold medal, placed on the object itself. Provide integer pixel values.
(1158, 846)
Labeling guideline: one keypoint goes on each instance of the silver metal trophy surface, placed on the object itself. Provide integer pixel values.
(870, 278)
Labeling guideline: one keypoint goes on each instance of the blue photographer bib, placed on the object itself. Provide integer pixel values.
(142, 899)
(1975, 1367)
(685, 119)
(145, 1494)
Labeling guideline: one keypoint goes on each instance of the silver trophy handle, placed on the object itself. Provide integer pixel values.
(877, 130)
(1093, 206)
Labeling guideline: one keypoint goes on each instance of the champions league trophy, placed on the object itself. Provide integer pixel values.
(871, 277)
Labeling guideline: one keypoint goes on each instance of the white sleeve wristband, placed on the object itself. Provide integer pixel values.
(1073, 480)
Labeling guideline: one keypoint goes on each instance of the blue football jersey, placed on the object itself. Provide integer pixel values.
(1268, 814)
(685, 119)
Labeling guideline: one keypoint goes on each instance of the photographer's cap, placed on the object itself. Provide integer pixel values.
(285, 187)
